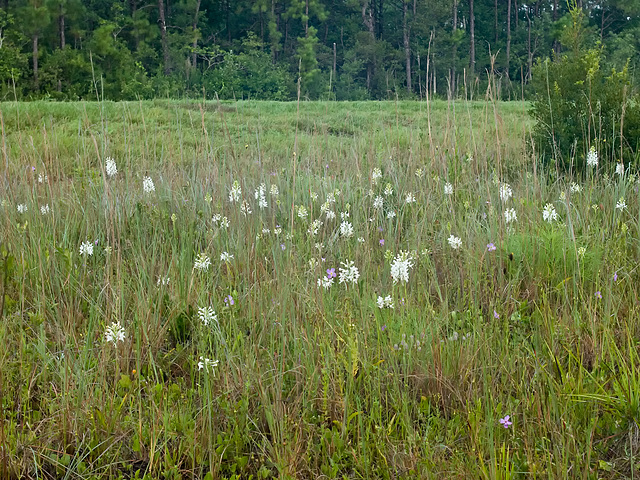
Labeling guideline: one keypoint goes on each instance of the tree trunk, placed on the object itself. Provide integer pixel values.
(274, 32)
(472, 43)
(367, 18)
(163, 33)
(407, 48)
(369, 22)
(195, 35)
(508, 35)
(495, 23)
(335, 58)
(227, 20)
(529, 52)
(454, 56)
(61, 27)
(556, 43)
(35, 59)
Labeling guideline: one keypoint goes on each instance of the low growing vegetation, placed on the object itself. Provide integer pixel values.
(267, 290)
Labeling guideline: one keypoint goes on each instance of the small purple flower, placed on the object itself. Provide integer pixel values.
(331, 273)
(229, 300)
(506, 423)
(384, 327)
(598, 294)
(382, 242)
(379, 229)
(496, 315)
(282, 246)
(33, 169)
(615, 277)
(491, 247)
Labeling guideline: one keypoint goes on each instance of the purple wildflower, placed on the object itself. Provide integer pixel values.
(506, 423)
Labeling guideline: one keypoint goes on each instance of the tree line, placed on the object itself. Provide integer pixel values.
(270, 49)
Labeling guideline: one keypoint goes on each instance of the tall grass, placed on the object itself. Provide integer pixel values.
(311, 382)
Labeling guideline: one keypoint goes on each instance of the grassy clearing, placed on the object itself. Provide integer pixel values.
(530, 319)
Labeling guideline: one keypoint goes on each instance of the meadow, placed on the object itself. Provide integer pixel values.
(397, 290)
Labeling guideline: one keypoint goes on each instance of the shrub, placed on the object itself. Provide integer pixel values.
(579, 104)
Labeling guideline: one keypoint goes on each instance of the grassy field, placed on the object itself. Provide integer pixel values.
(330, 290)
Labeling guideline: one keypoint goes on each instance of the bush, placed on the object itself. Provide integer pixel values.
(579, 105)
(248, 74)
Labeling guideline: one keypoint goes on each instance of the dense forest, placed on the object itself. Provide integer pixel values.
(267, 49)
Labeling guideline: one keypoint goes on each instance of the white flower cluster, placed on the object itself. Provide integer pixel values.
(455, 242)
(260, 196)
(325, 282)
(219, 219)
(348, 273)
(86, 248)
(592, 157)
(235, 194)
(549, 213)
(400, 267)
(505, 192)
(376, 175)
(314, 227)
(114, 333)
(346, 229)
(147, 185)
(207, 364)
(202, 262)
(510, 215)
(207, 315)
(110, 167)
(386, 302)
(448, 189)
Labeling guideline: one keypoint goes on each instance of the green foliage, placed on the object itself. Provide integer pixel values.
(580, 104)
(309, 71)
(13, 62)
(247, 74)
(117, 75)
(66, 75)
(309, 381)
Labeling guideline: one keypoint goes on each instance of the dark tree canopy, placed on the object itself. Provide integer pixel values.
(337, 49)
